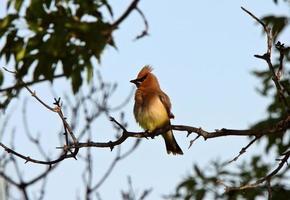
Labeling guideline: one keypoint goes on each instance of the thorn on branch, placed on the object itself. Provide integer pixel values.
(265, 56)
(75, 157)
(188, 133)
(27, 159)
(111, 119)
(192, 141)
(33, 93)
(111, 146)
(8, 150)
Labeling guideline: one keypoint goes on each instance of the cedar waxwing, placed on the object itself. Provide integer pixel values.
(152, 107)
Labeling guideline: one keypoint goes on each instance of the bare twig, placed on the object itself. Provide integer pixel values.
(118, 158)
(266, 178)
(67, 129)
(145, 31)
(268, 183)
(33, 93)
(267, 30)
(21, 84)
(124, 102)
(32, 139)
(243, 150)
(267, 58)
(131, 7)
(56, 109)
(192, 141)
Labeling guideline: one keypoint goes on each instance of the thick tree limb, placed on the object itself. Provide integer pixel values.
(281, 127)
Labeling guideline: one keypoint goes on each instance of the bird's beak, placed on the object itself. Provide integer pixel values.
(136, 82)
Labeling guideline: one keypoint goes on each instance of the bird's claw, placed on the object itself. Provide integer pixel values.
(146, 134)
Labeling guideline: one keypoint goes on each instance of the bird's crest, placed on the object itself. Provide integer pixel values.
(145, 70)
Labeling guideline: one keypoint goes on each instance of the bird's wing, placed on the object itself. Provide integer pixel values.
(166, 102)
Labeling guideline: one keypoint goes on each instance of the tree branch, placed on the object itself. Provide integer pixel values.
(22, 84)
(267, 58)
(131, 7)
(145, 31)
(243, 150)
(266, 178)
(281, 126)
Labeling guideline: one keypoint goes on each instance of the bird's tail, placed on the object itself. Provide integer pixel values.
(171, 144)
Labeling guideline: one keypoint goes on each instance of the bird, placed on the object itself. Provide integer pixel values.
(152, 108)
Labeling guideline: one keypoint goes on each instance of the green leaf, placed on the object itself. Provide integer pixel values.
(47, 3)
(200, 194)
(198, 171)
(278, 23)
(90, 72)
(76, 81)
(7, 49)
(187, 184)
(18, 4)
(45, 68)
(67, 66)
(1, 77)
(37, 72)
(20, 54)
(5, 23)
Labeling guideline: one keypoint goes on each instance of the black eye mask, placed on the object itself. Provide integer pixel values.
(142, 78)
(138, 81)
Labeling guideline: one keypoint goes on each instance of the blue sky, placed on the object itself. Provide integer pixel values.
(202, 53)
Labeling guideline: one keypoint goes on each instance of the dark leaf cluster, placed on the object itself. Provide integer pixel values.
(54, 38)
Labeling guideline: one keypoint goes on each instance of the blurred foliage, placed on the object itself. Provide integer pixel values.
(203, 183)
(132, 194)
(46, 37)
(276, 1)
(208, 183)
(277, 24)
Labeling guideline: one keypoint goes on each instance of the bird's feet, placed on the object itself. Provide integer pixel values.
(146, 134)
